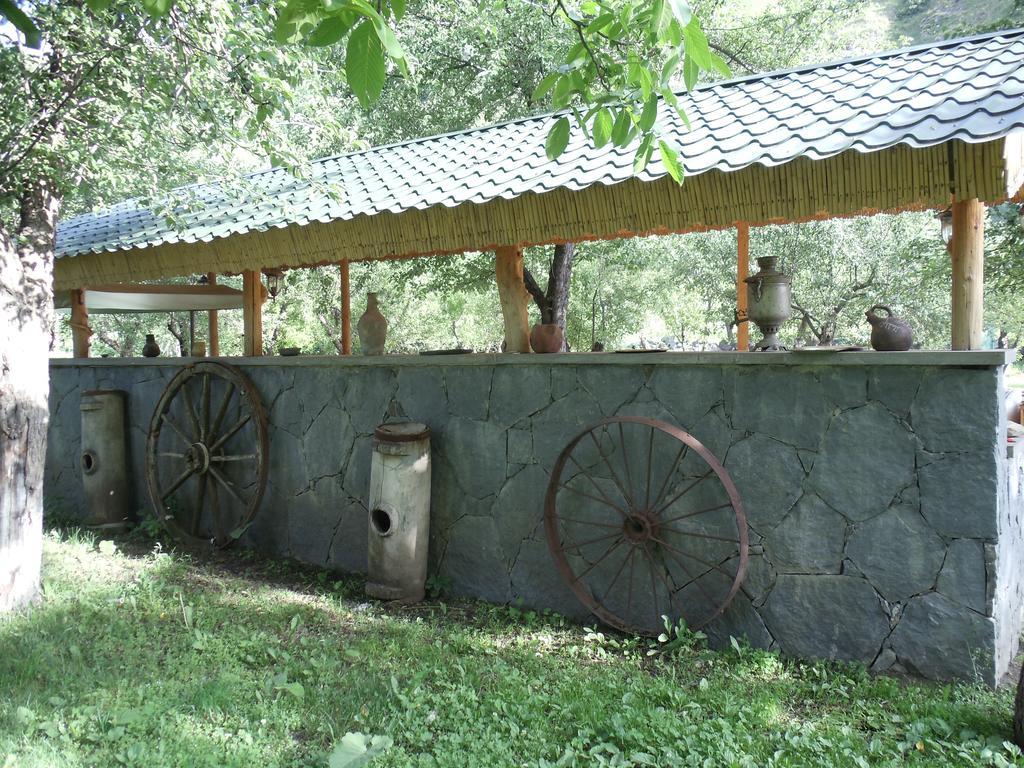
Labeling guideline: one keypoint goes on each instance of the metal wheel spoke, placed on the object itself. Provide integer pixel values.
(219, 477)
(230, 433)
(622, 567)
(685, 491)
(625, 463)
(616, 526)
(700, 535)
(650, 464)
(615, 476)
(692, 580)
(663, 573)
(600, 490)
(654, 587)
(592, 541)
(600, 560)
(698, 512)
(590, 496)
(668, 477)
(177, 483)
(709, 564)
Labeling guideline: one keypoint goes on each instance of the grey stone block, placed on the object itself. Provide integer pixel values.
(894, 387)
(348, 538)
(962, 578)
(844, 387)
(422, 396)
(474, 562)
(554, 426)
(611, 386)
(826, 617)
(809, 539)
(520, 446)
(469, 391)
(328, 443)
(957, 410)
(742, 621)
(367, 397)
(477, 452)
(939, 639)
(785, 404)
(518, 509)
(518, 392)
(563, 380)
(538, 584)
(688, 392)
(959, 493)
(866, 458)
(769, 476)
(898, 552)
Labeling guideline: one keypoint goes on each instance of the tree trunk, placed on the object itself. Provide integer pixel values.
(554, 302)
(26, 310)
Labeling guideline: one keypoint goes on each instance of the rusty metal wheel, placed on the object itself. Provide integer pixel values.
(206, 455)
(643, 523)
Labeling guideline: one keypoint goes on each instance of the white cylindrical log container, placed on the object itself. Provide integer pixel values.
(399, 525)
(104, 459)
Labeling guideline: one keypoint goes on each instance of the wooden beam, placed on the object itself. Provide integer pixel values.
(213, 333)
(967, 249)
(80, 330)
(742, 267)
(252, 313)
(515, 299)
(346, 310)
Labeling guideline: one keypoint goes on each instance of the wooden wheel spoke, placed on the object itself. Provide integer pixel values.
(685, 491)
(615, 475)
(222, 411)
(597, 487)
(217, 516)
(197, 512)
(204, 409)
(698, 512)
(174, 426)
(178, 482)
(191, 411)
(239, 457)
(230, 486)
(600, 560)
(170, 455)
(230, 433)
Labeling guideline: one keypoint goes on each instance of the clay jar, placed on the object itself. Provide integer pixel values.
(547, 337)
(372, 328)
(889, 333)
(150, 348)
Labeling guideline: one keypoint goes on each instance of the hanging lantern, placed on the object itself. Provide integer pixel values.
(273, 281)
(946, 225)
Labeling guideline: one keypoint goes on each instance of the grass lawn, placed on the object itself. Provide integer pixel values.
(149, 658)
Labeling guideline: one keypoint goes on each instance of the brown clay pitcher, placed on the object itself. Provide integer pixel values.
(889, 333)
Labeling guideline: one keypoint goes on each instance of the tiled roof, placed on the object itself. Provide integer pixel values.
(970, 89)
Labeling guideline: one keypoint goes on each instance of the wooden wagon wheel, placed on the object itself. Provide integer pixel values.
(644, 522)
(206, 455)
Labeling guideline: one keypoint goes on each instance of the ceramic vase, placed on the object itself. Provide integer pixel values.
(372, 328)
(547, 337)
(150, 348)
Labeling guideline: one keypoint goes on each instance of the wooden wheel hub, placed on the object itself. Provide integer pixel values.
(197, 458)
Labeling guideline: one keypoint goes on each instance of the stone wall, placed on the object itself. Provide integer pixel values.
(884, 516)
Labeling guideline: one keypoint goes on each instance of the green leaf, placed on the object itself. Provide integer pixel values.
(670, 159)
(21, 22)
(364, 64)
(398, 8)
(643, 154)
(690, 72)
(295, 20)
(621, 129)
(356, 750)
(650, 114)
(681, 10)
(98, 6)
(659, 18)
(545, 85)
(331, 30)
(563, 91)
(602, 127)
(697, 45)
(558, 138)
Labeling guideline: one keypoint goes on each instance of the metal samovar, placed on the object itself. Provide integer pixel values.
(768, 302)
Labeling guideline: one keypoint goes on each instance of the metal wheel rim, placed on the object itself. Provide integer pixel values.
(204, 452)
(577, 583)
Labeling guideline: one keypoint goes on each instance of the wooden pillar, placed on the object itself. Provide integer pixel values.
(80, 330)
(346, 310)
(742, 267)
(514, 298)
(253, 296)
(967, 249)
(213, 334)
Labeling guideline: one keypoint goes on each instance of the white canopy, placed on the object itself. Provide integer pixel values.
(107, 299)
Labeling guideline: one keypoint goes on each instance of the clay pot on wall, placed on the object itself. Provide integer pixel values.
(150, 348)
(547, 337)
(889, 333)
(372, 328)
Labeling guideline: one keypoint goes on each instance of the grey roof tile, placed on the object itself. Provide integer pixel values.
(970, 89)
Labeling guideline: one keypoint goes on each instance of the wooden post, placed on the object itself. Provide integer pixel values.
(967, 249)
(742, 267)
(213, 334)
(253, 295)
(80, 330)
(346, 310)
(514, 298)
